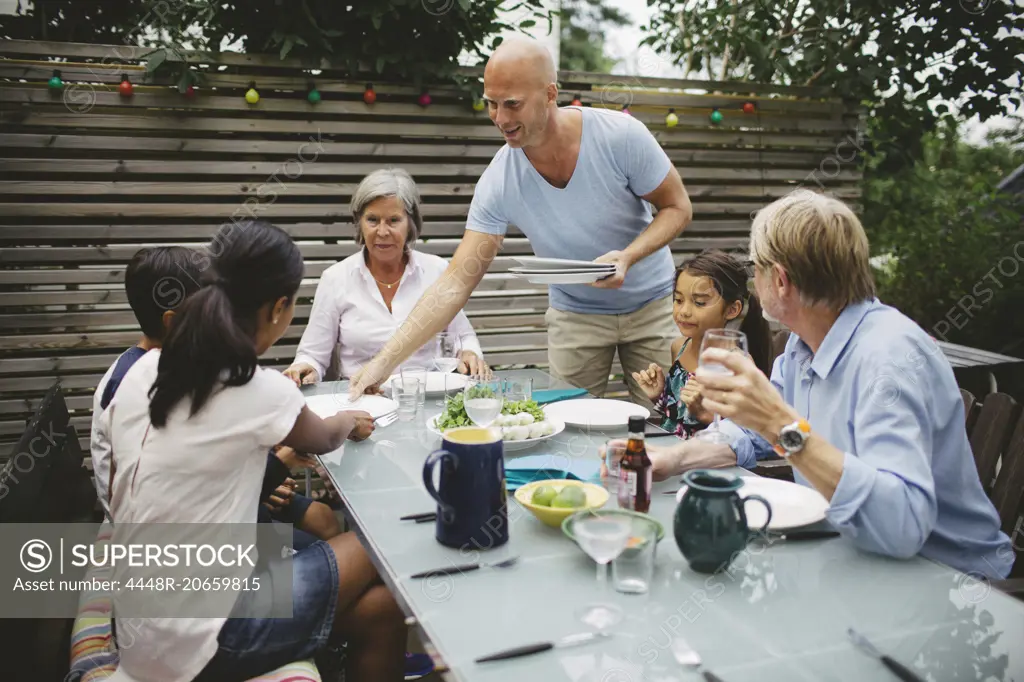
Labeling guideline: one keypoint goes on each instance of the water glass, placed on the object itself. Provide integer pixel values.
(406, 392)
(483, 399)
(518, 389)
(726, 339)
(614, 451)
(633, 569)
(417, 374)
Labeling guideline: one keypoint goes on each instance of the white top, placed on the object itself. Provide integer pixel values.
(349, 309)
(99, 443)
(207, 468)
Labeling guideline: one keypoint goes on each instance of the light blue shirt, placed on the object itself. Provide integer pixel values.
(880, 390)
(600, 210)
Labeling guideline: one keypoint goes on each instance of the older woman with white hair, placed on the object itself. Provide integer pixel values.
(363, 300)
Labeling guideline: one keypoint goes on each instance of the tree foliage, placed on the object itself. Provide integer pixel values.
(956, 241)
(411, 39)
(897, 56)
(582, 35)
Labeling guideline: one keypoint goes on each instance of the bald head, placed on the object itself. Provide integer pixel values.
(523, 58)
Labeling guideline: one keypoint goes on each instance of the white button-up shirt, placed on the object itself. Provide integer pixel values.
(349, 310)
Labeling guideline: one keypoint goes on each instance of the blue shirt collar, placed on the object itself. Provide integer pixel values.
(836, 340)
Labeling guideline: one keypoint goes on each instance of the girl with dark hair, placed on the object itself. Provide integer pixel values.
(190, 428)
(711, 292)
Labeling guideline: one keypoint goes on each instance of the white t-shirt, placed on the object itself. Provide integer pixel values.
(207, 468)
(99, 444)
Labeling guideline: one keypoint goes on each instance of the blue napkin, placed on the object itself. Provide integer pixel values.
(522, 470)
(556, 394)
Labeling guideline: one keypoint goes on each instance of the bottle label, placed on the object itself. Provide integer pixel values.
(627, 488)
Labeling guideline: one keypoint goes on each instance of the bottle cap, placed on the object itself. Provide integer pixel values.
(636, 424)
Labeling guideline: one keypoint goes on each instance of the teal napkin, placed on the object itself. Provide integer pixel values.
(553, 395)
(522, 470)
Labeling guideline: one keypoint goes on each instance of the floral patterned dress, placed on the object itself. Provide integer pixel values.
(677, 417)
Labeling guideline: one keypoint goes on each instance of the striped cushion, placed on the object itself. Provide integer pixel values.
(93, 652)
(95, 657)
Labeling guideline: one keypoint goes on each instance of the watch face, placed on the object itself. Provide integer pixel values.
(791, 439)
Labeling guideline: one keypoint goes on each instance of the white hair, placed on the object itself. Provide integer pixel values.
(388, 182)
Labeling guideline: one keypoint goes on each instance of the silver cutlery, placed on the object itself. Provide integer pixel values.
(465, 568)
(687, 656)
(898, 669)
(528, 649)
(385, 419)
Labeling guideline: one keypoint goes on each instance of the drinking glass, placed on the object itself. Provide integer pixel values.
(603, 538)
(614, 450)
(417, 374)
(633, 569)
(483, 399)
(447, 359)
(727, 339)
(517, 390)
(406, 392)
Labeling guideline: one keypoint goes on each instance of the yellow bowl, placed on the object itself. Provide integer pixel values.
(553, 516)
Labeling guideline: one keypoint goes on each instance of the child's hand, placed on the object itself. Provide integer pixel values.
(292, 459)
(691, 396)
(281, 497)
(363, 427)
(651, 380)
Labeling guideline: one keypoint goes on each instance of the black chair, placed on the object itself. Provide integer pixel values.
(44, 482)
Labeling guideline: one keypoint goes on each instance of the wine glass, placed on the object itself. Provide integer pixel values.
(483, 399)
(602, 537)
(727, 339)
(449, 346)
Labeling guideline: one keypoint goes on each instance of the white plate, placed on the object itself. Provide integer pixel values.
(510, 445)
(435, 382)
(579, 278)
(559, 271)
(595, 413)
(333, 403)
(535, 263)
(793, 505)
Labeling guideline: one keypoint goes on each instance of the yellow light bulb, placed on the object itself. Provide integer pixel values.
(671, 120)
(252, 97)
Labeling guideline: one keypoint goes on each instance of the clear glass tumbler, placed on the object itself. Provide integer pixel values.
(633, 569)
(406, 392)
(417, 374)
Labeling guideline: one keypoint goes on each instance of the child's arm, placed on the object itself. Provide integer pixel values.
(314, 435)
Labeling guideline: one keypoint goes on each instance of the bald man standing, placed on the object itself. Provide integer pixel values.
(579, 183)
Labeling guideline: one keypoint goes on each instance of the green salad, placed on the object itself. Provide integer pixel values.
(455, 412)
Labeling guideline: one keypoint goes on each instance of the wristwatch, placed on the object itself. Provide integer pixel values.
(792, 438)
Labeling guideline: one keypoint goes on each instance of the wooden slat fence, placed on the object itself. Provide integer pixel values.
(88, 177)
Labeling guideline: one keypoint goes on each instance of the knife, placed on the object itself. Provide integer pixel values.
(898, 669)
(528, 649)
(803, 534)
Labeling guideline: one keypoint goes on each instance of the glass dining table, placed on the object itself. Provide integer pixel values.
(781, 611)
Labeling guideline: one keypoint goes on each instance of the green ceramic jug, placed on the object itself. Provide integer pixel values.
(710, 522)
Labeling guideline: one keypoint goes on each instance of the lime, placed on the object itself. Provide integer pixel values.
(571, 496)
(543, 495)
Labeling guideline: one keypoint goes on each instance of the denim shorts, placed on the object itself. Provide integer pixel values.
(249, 647)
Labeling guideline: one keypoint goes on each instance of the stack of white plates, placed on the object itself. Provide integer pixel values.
(560, 270)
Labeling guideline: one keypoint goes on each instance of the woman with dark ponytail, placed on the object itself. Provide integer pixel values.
(711, 292)
(190, 428)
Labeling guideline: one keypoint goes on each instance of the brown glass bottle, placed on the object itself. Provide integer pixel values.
(635, 470)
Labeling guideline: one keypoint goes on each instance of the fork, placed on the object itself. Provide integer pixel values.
(385, 420)
(685, 655)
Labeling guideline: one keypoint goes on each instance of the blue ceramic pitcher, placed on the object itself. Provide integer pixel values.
(472, 502)
(710, 522)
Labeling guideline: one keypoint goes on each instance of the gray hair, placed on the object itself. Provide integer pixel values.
(388, 182)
